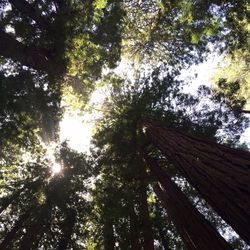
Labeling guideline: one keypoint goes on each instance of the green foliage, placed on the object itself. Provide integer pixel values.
(178, 32)
(154, 98)
(49, 199)
(232, 80)
(56, 52)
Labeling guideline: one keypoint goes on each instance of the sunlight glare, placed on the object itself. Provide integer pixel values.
(77, 128)
(56, 168)
(53, 163)
(76, 131)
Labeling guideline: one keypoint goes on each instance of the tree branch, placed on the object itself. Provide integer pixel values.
(37, 58)
(32, 11)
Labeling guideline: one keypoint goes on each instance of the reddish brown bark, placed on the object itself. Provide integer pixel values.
(220, 174)
(195, 231)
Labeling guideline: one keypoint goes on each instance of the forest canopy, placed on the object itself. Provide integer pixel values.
(166, 169)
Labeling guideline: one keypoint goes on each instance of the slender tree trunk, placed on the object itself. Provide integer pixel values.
(147, 231)
(220, 174)
(147, 227)
(160, 228)
(109, 239)
(37, 58)
(158, 220)
(134, 235)
(164, 240)
(195, 231)
(33, 12)
(67, 229)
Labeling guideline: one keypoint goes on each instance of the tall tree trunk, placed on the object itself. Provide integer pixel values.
(195, 231)
(32, 11)
(164, 240)
(220, 174)
(147, 231)
(67, 229)
(147, 227)
(134, 235)
(108, 233)
(37, 58)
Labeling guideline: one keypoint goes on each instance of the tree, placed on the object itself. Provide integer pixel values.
(177, 33)
(25, 99)
(186, 218)
(53, 52)
(49, 33)
(210, 166)
(117, 139)
(50, 214)
(44, 46)
(232, 81)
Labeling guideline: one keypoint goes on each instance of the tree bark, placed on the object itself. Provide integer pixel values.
(108, 233)
(134, 235)
(195, 231)
(164, 240)
(220, 174)
(36, 58)
(147, 231)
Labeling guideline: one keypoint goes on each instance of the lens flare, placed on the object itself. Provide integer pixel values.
(56, 168)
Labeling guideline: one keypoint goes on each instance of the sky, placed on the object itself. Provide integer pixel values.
(77, 129)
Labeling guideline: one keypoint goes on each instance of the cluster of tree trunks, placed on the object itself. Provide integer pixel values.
(195, 231)
(219, 173)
